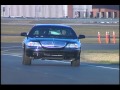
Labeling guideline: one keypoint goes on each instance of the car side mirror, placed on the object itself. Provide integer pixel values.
(23, 34)
(81, 36)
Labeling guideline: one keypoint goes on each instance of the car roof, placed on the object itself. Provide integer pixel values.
(52, 25)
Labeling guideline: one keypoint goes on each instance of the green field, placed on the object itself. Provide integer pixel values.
(100, 56)
(108, 57)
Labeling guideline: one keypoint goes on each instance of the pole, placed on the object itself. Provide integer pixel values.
(35, 12)
(3, 11)
(9, 12)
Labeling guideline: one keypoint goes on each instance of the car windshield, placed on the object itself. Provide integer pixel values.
(52, 32)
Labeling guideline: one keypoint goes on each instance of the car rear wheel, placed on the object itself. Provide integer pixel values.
(26, 59)
(76, 62)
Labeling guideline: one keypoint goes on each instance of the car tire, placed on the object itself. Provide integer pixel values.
(76, 62)
(26, 59)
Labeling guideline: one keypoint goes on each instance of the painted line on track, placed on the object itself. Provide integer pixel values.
(11, 47)
(105, 67)
(69, 62)
(9, 50)
(13, 55)
(102, 67)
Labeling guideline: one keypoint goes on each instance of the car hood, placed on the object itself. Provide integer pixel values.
(53, 42)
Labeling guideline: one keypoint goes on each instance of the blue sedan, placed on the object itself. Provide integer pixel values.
(51, 42)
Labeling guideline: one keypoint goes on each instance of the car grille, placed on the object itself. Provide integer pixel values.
(53, 54)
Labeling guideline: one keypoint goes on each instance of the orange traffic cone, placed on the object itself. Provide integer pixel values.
(114, 37)
(99, 38)
(106, 37)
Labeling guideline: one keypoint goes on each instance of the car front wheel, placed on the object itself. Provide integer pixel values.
(76, 62)
(26, 59)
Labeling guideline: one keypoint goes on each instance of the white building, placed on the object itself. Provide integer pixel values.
(46, 11)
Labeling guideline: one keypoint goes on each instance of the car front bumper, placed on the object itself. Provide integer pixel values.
(65, 54)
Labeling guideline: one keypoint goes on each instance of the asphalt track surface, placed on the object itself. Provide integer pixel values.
(55, 72)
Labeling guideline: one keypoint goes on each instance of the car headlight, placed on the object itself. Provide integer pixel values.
(72, 45)
(33, 44)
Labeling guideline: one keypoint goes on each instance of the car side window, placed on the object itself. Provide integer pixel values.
(64, 32)
(36, 33)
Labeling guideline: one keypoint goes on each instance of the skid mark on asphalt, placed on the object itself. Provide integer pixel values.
(69, 62)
